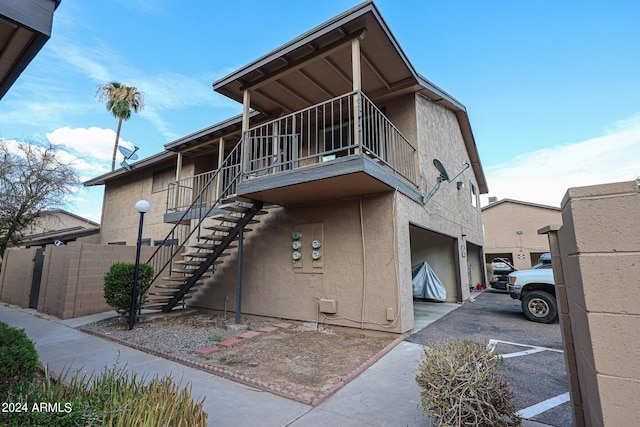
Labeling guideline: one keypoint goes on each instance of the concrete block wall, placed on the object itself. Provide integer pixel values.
(72, 277)
(16, 276)
(599, 245)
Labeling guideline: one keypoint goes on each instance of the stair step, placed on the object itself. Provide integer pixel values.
(230, 218)
(182, 279)
(223, 228)
(236, 198)
(233, 207)
(196, 263)
(205, 254)
(175, 286)
(213, 237)
(218, 227)
(165, 299)
(207, 246)
(170, 293)
(185, 270)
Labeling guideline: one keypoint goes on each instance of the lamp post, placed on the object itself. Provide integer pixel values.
(142, 206)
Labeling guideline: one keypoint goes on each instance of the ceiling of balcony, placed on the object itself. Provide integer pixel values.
(24, 29)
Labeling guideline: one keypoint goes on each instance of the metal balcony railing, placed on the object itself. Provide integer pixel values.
(344, 126)
(347, 125)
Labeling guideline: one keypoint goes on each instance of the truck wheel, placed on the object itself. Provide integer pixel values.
(540, 306)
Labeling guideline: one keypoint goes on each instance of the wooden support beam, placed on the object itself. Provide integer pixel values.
(296, 65)
(294, 93)
(357, 87)
(317, 84)
(337, 69)
(375, 71)
(274, 101)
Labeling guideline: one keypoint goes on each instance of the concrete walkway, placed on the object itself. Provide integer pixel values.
(386, 394)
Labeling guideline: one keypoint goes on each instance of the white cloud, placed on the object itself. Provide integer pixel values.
(93, 142)
(543, 176)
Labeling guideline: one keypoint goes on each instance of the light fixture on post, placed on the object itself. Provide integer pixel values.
(142, 206)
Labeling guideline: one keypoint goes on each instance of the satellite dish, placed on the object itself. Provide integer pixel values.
(444, 175)
(128, 154)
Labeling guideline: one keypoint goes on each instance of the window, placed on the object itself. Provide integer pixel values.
(145, 242)
(168, 242)
(117, 243)
(475, 201)
(161, 179)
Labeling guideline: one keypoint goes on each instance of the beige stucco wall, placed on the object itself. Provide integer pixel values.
(119, 217)
(449, 212)
(504, 221)
(357, 268)
(381, 274)
(599, 265)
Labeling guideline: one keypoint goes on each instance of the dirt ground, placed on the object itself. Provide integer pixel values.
(303, 362)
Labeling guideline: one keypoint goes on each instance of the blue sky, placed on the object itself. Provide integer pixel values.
(552, 88)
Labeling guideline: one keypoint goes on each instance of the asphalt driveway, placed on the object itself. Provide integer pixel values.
(534, 364)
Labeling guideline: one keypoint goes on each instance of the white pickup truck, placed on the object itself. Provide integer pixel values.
(536, 289)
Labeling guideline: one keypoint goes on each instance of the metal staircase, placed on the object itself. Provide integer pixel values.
(189, 254)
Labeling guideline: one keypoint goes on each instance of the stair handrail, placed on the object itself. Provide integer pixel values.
(196, 202)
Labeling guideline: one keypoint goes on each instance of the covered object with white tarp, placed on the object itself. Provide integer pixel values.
(426, 284)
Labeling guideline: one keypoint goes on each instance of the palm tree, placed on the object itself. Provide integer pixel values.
(120, 100)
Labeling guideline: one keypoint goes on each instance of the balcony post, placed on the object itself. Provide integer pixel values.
(176, 201)
(357, 87)
(275, 149)
(218, 185)
(245, 149)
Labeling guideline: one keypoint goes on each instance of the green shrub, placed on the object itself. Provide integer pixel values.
(118, 282)
(112, 397)
(18, 358)
(460, 386)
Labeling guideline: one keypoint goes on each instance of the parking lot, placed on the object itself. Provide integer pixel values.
(534, 364)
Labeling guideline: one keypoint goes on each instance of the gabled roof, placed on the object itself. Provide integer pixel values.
(519, 202)
(316, 66)
(71, 214)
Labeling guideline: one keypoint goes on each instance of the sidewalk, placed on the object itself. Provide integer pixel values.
(386, 394)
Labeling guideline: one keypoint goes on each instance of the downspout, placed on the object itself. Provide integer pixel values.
(364, 267)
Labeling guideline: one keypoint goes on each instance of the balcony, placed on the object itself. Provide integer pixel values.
(343, 147)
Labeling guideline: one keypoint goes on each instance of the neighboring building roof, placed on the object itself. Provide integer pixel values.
(25, 26)
(535, 205)
(65, 235)
(139, 165)
(45, 228)
(64, 212)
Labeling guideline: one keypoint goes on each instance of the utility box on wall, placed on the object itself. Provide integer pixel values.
(308, 248)
(328, 306)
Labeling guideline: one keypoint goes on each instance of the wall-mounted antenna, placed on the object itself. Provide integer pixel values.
(444, 176)
(128, 155)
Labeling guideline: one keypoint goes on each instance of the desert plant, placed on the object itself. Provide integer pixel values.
(112, 397)
(118, 282)
(460, 385)
(18, 358)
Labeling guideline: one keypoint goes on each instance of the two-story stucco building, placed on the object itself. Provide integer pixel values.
(316, 201)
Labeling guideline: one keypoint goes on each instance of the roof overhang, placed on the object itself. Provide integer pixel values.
(317, 66)
(25, 26)
(135, 167)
